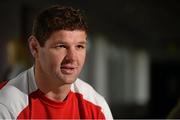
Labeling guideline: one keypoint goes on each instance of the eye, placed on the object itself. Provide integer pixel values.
(60, 46)
(81, 46)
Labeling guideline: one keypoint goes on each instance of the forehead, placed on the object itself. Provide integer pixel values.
(68, 35)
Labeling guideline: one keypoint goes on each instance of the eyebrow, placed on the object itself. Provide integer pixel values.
(64, 42)
(84, 42)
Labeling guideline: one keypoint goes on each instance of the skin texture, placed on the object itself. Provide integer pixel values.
(59, 62)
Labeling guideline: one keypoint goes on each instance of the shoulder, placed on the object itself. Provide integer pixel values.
(5, 113)
(17, 83)
(24, 82)
(11, 88)
(13, 100)
(91, 95)
(86, 90)
(14, 94)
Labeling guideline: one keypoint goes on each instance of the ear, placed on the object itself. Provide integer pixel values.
(33, 45)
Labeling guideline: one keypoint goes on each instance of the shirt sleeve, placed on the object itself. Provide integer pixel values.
(106, 110)
(5, 113)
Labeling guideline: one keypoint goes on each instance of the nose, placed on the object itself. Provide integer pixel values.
(70, 55)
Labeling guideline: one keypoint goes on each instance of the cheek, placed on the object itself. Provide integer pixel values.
(46, 59)
(82, 58)
(43, 61)
(55, 59)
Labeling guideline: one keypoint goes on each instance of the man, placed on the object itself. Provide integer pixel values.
(51, 89)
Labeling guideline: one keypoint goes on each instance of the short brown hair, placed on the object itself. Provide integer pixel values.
(57, 18)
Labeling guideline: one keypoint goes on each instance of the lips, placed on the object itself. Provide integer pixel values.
(67, 69)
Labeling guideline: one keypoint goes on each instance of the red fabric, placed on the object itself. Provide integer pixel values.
(2, 84)
(73, 107)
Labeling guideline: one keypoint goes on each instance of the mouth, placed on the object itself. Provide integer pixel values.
(67, 69)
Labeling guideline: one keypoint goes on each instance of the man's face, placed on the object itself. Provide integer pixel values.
(62, 57)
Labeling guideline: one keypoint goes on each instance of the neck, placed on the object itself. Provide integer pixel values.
(58, 94)
(53, 89)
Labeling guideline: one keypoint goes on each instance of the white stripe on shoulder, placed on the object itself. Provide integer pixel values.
(14, 99)
(92, 96)
(14, 95)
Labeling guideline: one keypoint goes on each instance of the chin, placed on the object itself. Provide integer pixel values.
(69, 80)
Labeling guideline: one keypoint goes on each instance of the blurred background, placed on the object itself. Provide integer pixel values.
(133, 53)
